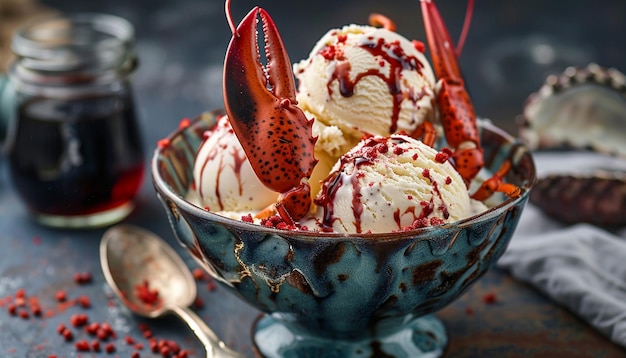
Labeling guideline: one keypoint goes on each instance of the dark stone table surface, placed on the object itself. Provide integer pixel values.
(511, 47)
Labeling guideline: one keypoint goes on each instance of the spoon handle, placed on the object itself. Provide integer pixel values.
(215, 348)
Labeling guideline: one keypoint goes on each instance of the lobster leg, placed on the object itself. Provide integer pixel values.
(457, 113)
(496, 183)
(262, 108)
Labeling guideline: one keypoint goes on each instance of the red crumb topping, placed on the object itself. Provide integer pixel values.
(419, 46)
(275, 221)
(20, 293)
(82, 278)
(184, 123)
(489, 298)
(61, 296)
(79, 319)
(443, 155)
(198, 274)
(163, 143)
(146, 294)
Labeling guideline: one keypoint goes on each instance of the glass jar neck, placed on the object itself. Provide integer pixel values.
(73, 50)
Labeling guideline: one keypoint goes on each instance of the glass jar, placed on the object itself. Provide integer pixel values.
(75, 150)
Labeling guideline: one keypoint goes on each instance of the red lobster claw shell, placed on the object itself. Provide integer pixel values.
(274, 132)
(456, 110)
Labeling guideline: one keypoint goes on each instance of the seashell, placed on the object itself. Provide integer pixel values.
(598, 198)
(580, 108)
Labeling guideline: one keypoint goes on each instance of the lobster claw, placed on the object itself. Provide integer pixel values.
(456, 110)
(458, 117)
(261, 105)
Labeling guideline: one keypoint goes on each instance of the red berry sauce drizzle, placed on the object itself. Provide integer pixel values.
(238, 156)
(349, 173)
(390, 53)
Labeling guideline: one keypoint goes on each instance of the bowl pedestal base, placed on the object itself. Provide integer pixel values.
(421, 337)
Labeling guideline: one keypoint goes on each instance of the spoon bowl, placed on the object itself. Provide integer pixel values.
(152, 280)
(133, 258)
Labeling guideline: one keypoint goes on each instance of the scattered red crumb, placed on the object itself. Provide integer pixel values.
(67, 334)
(82, 346)
(92, 328)
(109, 348)
(107, 329)
(198, 303)
(154, 345)
(275, 221)
(198, 274)
(36, 310)
(489, 298)
(146, 294)
(442, 157)
(247, 218)
(434, 221)
(36, 240)
(20, 301)
(184, 123)
(61, 296)
(163, 143)
(82, 278)
(469, 311)
(84, 301)
(95, 345)
(79, 319)
(448, 180)
(211, 286)
(102, 334)
(24, 306)
(419, 46)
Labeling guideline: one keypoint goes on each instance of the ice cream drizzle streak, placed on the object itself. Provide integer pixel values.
(349, 174)
(388, 52)
(238, 156)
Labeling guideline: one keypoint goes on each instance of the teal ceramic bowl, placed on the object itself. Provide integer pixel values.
(335, 295)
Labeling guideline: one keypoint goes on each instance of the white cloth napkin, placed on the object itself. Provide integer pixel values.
(581, 267)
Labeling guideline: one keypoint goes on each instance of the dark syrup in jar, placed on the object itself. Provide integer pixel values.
(78, 156)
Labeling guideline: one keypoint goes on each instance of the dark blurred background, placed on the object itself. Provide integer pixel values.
(511, 47)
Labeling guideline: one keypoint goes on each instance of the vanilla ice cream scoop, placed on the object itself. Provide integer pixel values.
(366, 80)
(388, 184)
(224, 179)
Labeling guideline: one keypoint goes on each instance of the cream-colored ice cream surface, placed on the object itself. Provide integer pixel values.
(330, 145)
(223, 177)
(366, 80)
(388, 184)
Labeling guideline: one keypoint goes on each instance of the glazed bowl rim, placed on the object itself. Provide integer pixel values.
(424, 233)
